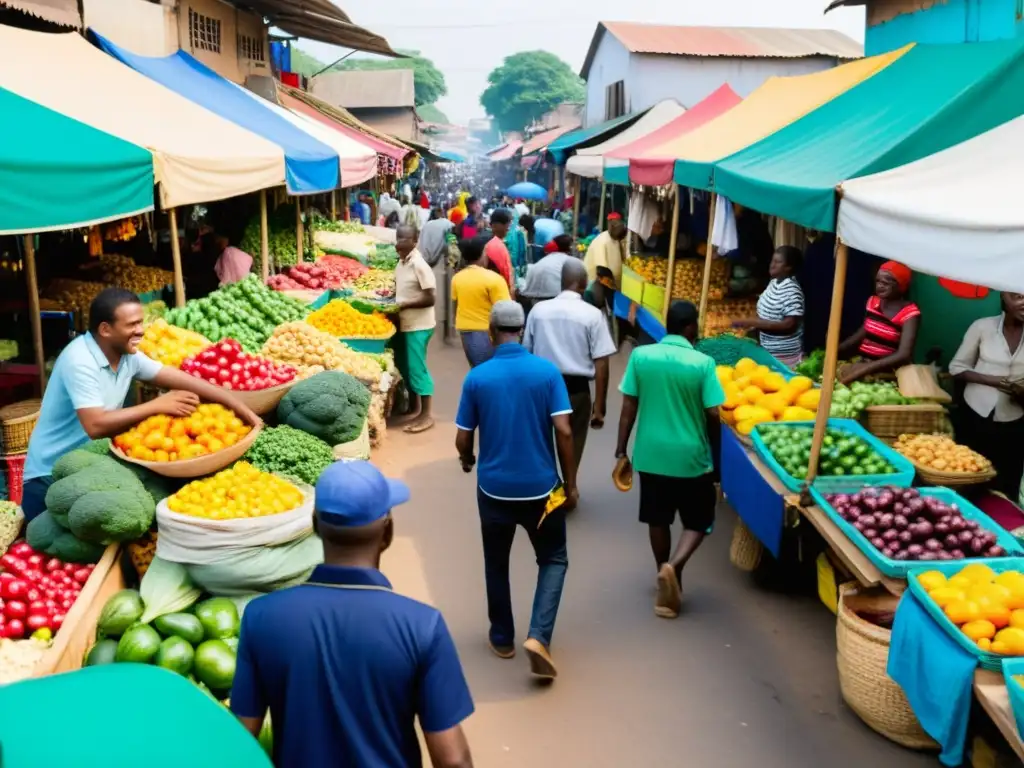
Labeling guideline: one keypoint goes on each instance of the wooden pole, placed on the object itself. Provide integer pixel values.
(179, 280)
(600, 209)
(709, 255)
(578, 186)
(33, 307)
(673, 235)
(334, 205)
(299, 234)
(828, 376)
(264, 237)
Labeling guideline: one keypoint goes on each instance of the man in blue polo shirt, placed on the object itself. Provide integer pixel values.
(514, 400)
(344, 664)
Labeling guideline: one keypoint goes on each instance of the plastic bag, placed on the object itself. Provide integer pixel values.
(260, 569)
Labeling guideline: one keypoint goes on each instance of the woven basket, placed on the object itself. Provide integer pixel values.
(17, 421)
(890, 421)
(745, 551)
(952, 479)
(265, 400)
(203, 465)
(862, 657)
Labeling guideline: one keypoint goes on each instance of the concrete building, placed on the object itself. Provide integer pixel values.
(632, 66)
(890, 24)
(383, 98)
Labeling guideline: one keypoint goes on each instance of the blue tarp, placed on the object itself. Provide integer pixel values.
(310, 166)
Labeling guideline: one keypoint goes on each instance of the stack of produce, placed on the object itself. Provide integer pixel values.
(842, 453)
(311, 351)
(850, 402)
(123, 272)
(11, 519)
(341, 319)
(153, 311)
(211, 428)
(70, 296)
(687, 277)
(754, 394)
(281, 237)
(375, 284)
(226, 365)
(327, 272)
(987, 608)
(247, 311)
(813, 365)
(36, 592)
(237, 492)
(941, 453)
(903, 524)
(384, 257)
(197, 642)
(288, 451)
(331, 405)
(93, 501)
(169, 344)
(720, 315)
(321, 223)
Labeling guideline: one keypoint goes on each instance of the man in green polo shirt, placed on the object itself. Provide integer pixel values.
(672, 391)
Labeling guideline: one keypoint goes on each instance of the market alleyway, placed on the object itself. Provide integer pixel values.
(745, 677)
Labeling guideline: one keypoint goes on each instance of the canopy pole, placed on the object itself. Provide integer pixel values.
(600, 209)
(578, 186)
(179, 281)
(828, 376)
(264, 237)
(33, 308)
(334, 205)
(709, 256)
(669, 279)
(299, 233)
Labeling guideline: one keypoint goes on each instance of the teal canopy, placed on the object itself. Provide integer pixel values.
(931, 98)
(561, 147)
(58, 173)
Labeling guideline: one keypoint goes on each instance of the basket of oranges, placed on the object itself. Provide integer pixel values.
(206, 441)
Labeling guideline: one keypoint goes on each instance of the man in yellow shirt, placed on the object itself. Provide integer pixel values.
(475, 289)
(608, 250)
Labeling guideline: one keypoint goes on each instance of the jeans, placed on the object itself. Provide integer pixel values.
(33, 496)
(498, 521)
(477, 346)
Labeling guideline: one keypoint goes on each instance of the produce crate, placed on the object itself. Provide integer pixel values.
(78, 632)
(890, 421)
(654, 299)
(902, 478)
(987, 659)
(632, 285)
(321, 301)
(1011, 667)
(900, 568)
(728, 350)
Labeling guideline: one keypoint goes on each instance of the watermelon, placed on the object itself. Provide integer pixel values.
(219, 618)
(176, 655)
(104, 652)
(139, 643)
(121, 611)
(183, 625)
(215, 665)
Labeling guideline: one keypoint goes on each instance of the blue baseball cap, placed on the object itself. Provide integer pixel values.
(351, 494)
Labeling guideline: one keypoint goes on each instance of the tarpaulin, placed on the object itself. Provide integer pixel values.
(563, 145)
(930, 99)
(381, 147)
(310, 165)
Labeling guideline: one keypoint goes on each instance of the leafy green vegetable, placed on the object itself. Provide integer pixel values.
(289, 451)
(384, 257)
(812, 366)
(331, 405)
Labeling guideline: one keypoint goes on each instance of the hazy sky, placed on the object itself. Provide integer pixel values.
(466, 39)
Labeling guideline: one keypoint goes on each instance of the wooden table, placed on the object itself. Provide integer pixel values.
(990, 690)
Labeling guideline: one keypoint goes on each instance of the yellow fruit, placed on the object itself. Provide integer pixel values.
(727, 416)
(745, 365)
(963, 611)
(961, 582)
(746, 427)
(931, 580)
(733, 396)
(796, 413)
(772, 382)
(801, 384)
(1013, 581)
(724, 373)
(998, 615)
(752, 393)
(809, 399)
(775, 402)
(1010, 641)
(742, 382)
(985, 644)
(977, 630)
(1017, 618)
(745, 412)
(944, 596)
(978, 573)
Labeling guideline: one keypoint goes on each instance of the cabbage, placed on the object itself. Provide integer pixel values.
(166, 588)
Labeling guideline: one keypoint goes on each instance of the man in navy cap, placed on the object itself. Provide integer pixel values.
(344, 664)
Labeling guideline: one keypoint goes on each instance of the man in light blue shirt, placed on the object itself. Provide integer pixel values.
(85, 395)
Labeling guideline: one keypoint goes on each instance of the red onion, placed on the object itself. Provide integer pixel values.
(870, 533)
(915, 550)
(944, 555)
(878, 542)
(905, 537)
(958, 554)
(952, 541)
(995, 551)
(933, 545)
(890, 534)
(885, 521)
(926, 556)
(899, 522)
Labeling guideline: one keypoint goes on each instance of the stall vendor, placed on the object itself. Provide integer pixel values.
(85, 396)
(990, 362)
(886, 340)
(780, 309)
(608, 250)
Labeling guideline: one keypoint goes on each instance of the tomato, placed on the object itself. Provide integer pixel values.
(35, 560)
(69, 568)
(21, 549)
(81, 575)
(32, 595)
(6, 576)
(37, 607)
(15, 629)
(53, 564)
(56, 621)
(37, 622)
(13, 564)
(13, 590)
(15, 609)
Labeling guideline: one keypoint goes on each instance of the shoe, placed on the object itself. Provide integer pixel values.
(541, 663)
(502, 651)
(670, 595)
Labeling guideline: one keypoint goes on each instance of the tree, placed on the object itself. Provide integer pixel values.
(526, 86)
(305, 64)
(431, 114)
(430, 84)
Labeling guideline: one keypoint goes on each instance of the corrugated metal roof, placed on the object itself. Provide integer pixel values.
(505, 151)
(736, 42)
(542, 139)
(320, 20)
(367, 88)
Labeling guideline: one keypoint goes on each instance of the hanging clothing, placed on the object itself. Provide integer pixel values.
(725, 236)
(233, 265)
(643, 214)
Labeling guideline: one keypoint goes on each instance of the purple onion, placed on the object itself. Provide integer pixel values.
(858, 525)
(885, 520)
(856, 498)
(977, 546)
(916, 506)
(926, 556)
(899, 522)
(958, 554)
(905, 537)
(870, 533)
(995, 551)
(957, 524)
(952, 541)
(933, 545)
(901, 555)
(965, 537)
(886, 499)
(878, 542)
(890, 534)
(942, 529)
(869, 521)
(944, 555)
(839, 499)
(924, 530)
(870, 503)
(915, 549)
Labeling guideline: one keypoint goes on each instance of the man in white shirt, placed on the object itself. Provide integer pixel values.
(573, 335)
(416, 294)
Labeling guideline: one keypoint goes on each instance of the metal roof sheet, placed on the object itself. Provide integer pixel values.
(366, 88)
(541, 140)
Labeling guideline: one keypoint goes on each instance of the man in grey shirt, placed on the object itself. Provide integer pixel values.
(573, 335)
(433, 244)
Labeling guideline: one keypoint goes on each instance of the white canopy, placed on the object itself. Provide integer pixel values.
(955, 214)
(589, 162)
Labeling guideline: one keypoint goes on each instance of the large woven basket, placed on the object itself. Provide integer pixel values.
(745, 551)
(862, 657)
(17, 422)
(952, 479)
(203, 465)
(890, 421)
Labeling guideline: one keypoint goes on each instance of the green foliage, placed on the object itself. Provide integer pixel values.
(430, 83)
(526, 86)
(431, 114)
(289, 451)
(331, 405)
(304, 63)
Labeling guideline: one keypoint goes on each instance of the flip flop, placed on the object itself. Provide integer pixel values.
(670, 596)
(415, 429)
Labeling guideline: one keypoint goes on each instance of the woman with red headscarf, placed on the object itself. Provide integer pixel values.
(891, 321)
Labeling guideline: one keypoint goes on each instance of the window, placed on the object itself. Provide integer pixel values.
(615, 100)
(203, 32)
(250, 48)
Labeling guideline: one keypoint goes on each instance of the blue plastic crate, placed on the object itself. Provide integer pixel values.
(375, 346)
(986, 659)
(1015, 666)
(899, 568)
(320, 301)
(903, 477)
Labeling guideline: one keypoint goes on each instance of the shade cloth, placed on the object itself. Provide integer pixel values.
(589, 161)
(561, 147)
(197, 156)
(933, 97)
(310, 165)
(955, 214)
(56, 173)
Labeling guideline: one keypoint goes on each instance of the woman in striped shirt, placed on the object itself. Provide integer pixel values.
(780, 309)
(891, 321)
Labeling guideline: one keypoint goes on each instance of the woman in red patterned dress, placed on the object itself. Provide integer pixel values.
(891, 321)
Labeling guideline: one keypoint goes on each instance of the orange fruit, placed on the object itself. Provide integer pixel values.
(976, 630)
(944, 596)
(1017, 618)
(931, 580)
(963, 611)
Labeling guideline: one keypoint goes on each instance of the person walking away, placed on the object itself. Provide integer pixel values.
(475, 290)
(573, 335)
(608, 250)
(544, 279)
(670, 392)
(84, 399)
(516, 476)
(780, 309)
(497, 253)
(409, 214)
(416, 295)
(344, 665)
(433, 240)
(233, 265)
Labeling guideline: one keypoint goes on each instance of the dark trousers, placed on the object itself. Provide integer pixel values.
(33, 497)
(498, 521)
(1002, 442)
(579, 420)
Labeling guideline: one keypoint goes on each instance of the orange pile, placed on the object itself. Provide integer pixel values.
(165, 438)
(988, 608)
(342, 320)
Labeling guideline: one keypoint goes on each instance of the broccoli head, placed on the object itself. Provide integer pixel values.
(44, 534)
(75, 461)
(103, 475)
(103, 517)
(331, 405)
(42, 531)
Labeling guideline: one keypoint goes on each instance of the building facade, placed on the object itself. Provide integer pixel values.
(382, 98)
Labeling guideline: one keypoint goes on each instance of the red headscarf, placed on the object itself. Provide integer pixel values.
(551, 247)
(898, 271)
